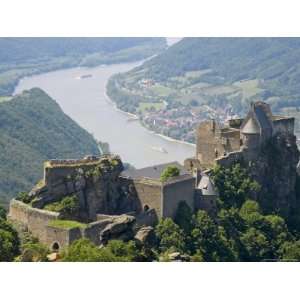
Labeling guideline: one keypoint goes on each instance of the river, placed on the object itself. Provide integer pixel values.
(85, 101)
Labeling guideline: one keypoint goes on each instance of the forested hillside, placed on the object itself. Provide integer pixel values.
(21, 57)
(275, 60)
(33, 128)
(211, 78)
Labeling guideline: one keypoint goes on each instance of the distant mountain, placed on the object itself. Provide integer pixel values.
(33, 128)
(211, 78)
(21, 57)
(24, 49)
(276, 61)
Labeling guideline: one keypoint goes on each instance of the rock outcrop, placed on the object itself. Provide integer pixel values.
(275, 169)
(146, 236)
(121, 228)
(95, 182)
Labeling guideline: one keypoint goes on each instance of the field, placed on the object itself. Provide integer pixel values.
(143, 106)
(160, 90)
(249, 87)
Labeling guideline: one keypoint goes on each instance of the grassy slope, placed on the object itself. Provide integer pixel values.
(33, 128)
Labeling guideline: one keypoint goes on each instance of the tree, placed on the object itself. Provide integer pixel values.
(123, 251)
(277, 232)
(170, 235)
(34, 252)
(184, 217)
(234, 185)
(2, 213)
(251, 214)
(208, 243)
(169, 172)
(83, 250)
(9, 241)
(68, 207)
(290, 251)
(249, 207)
(256, 244)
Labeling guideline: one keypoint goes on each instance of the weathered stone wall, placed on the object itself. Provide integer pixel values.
(149, 195)
(142, 194)
(214, 142)
(209, 145)
(176, 191)
(284, 125)
(233, 142)
(60, 236)
(147, 218)
(33, 219)
(205, 202)
(229, 159)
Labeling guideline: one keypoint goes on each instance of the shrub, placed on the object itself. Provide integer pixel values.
(33, 252)
(169, 172)
(68, 207)
(24, 197)
(2, 213)
(84, 250)
(171, 236)
(9, 241)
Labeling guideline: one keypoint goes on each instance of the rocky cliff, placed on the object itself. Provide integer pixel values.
(275, 169)
(94, 182)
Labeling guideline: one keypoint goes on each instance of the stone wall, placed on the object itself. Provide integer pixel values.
(229, 159)
(284, 125)
(205, 202)
(162, 198)
(213, 142)
(180, 189)
(32, 219)
(149, 195)
(62, 237)
(208, 143)
(232, 139)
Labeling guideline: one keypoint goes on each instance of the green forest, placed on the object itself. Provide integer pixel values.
(240, 230)
(21, 57)
(33, 128)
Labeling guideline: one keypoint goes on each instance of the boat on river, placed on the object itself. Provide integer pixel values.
(159, 149)
(85, 76)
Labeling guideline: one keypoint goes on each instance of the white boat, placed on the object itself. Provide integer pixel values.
(159, 149)
(85, 76)
(133, 118)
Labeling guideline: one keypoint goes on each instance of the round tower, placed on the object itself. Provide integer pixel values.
(251, 134)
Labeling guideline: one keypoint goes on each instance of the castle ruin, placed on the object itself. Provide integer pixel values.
(116, 203)
(240, 139)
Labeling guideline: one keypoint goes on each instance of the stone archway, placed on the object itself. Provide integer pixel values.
(55, 247)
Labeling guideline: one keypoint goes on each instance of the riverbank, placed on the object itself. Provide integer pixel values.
(86, 103)
(114, 104)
